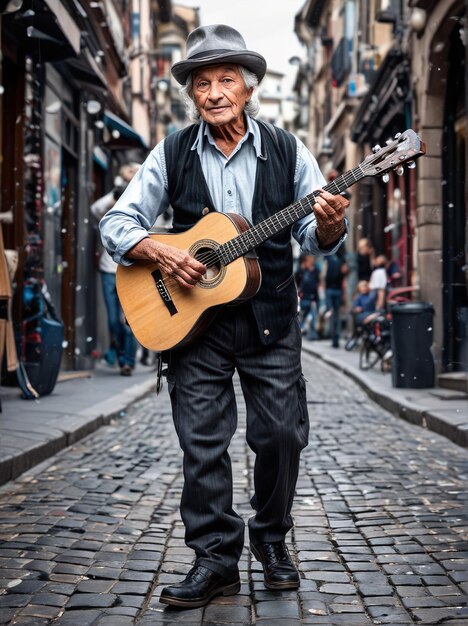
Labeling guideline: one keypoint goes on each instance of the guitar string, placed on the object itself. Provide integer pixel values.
(211, 257)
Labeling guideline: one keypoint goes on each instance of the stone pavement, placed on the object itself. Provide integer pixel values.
(34, 430)
(444, 411)
(92, 535)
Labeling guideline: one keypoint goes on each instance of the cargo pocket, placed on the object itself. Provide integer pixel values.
(171, 387)
(303, 413)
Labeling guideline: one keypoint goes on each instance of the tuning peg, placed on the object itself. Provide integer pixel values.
(376, 148)
(385, 178)
(411, 165)
(398, 135)
(389, 141)
(400, 170)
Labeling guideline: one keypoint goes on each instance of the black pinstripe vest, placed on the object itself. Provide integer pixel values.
(275, 305)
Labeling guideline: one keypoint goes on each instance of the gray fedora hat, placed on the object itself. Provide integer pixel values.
(211, 45)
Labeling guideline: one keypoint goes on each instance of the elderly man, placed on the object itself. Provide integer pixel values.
(229, 162)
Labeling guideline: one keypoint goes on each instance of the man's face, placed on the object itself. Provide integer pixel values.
(220, 94)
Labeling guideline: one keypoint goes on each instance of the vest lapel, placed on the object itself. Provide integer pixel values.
(199, 173)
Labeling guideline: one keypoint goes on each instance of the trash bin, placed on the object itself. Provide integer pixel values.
(411, 336)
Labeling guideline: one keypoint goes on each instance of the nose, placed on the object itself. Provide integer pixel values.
(215, 91)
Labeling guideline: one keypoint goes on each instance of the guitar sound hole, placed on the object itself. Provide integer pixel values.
(213, 272)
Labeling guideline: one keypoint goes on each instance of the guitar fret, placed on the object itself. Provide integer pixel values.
(249, 239)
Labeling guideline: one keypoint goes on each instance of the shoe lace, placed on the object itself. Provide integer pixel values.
(277, 551)
(197, 573)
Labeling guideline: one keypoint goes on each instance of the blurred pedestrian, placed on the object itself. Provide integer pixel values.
(363, 303)
(378, 281)
(335, 273)
(364, 259)
(393, 274)
(123, 344)
(307, 281)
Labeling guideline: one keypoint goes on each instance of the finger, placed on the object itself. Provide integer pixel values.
(336, 201)
(326, 218)
(189, 261)
(323, 204)
(196, 266)
(185, 276)
(194, 274)
(330, 198)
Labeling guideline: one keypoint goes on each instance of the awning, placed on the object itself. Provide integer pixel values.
(100, 157)
(125, 137)
(45, 28)
(385, 99)
(66, 23)
(86, 70)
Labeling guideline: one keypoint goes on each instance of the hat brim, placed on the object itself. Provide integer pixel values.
(251, 60)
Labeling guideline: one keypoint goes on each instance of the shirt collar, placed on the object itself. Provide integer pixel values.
(252, 129)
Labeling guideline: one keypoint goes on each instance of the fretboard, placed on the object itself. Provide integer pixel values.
(285, 218)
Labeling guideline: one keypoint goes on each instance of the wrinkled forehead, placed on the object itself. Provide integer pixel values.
(210, 71)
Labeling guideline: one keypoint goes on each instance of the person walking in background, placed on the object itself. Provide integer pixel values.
(122, 342)
(336, 270)
(378, 281)
(307, 281)
(365, 254)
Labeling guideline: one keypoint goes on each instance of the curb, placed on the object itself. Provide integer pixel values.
(66, 430)
(410, 412)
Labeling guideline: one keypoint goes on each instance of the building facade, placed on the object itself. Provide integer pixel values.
(77, 100)
(375, 68)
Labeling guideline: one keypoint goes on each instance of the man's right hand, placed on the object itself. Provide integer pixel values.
(176, 263)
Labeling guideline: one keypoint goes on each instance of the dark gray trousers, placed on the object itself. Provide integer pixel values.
(205, 417)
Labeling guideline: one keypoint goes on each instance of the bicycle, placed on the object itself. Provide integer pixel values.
(376, 333)
(375, 343)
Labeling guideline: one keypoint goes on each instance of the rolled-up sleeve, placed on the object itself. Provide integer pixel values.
(307, 179)
(137, 209)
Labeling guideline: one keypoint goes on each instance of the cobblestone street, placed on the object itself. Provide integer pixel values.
(92, 535)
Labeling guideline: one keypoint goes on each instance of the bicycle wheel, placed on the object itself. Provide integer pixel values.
(351, 343)
(368, 355)
(386, 362)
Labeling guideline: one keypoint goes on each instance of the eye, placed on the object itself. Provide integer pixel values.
(202, 84)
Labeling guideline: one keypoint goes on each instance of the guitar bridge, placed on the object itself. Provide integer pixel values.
(164, 292)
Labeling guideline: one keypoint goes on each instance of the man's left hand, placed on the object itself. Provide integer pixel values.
(329, 212)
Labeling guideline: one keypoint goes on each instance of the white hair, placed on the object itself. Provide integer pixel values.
(250, 80)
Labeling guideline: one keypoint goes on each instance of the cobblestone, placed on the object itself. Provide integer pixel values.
(92, 536)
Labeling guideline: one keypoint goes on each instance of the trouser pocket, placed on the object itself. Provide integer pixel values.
(171, 387)
(303, 413)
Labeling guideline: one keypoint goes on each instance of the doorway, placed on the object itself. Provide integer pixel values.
(454, 287)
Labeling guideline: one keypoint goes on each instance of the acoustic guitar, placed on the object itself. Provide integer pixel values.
(162, 314)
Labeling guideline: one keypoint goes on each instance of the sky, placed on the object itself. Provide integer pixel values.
(266, 25)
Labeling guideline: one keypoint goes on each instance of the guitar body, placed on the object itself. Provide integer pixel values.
(164, 315)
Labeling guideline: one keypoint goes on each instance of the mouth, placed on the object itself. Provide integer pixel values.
(217, 109)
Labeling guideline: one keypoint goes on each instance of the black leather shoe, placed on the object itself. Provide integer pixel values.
(278, 569)
(199, 587)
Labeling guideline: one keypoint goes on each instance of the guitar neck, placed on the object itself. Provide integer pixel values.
(285, 218)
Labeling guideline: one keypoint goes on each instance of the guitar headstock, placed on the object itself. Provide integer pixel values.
(404, 148)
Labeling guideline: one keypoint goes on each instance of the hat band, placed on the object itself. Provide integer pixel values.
(209, 53)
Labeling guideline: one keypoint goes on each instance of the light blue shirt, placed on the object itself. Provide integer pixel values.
(230, 180)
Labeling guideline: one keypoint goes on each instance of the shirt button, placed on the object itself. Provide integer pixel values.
(266, 332)
(205, 211)
(229, 192)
